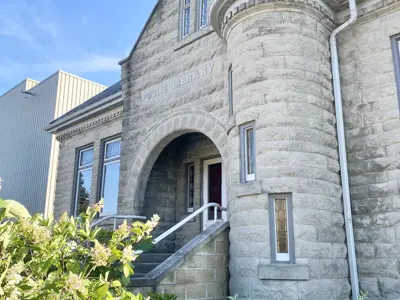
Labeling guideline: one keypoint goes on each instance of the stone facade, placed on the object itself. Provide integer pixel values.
(373, 133)
(91, 131)
(176, 110)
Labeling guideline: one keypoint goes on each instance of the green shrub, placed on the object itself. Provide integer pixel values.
(46, 259)
(159, 296)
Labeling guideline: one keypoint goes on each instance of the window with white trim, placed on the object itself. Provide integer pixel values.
(190, 187)
(248, 152)
(230, 90)
(281, 227)
(203, 13)
(110, 176)
(396, 57)
(83, 180)
(185, 18)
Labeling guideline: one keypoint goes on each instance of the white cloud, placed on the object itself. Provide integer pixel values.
(20, 21)
(89, 63)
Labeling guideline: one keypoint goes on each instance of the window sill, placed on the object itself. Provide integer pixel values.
(191, 38)
(283, 272)
(248, 188)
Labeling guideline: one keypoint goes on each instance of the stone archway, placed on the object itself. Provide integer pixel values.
(158, 137)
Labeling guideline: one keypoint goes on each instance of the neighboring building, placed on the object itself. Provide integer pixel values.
(232, 102)
(28, 155)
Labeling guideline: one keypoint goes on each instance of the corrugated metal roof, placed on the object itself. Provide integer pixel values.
(115, 88)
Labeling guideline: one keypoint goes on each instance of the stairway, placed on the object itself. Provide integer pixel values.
(147, 262)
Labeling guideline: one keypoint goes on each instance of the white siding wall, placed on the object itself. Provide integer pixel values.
(28, 154)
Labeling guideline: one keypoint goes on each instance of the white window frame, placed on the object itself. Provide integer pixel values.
(190, 209)
(276, 257)
(395, 40)
(106, 162)
(185, 6)
(246, 175)
(79, 170)
(200, 25)
(230, 90)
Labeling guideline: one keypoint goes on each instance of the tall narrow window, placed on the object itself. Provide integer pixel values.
(396, 57)
(281, 226)
(203, 17)
(190, 187)
(186, 18)
(110, 176)
(248, 152)
(230, 90)
(83, 180)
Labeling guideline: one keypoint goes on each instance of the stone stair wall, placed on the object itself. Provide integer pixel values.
(197, 271)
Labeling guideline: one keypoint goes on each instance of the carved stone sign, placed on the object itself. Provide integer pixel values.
(179, 81)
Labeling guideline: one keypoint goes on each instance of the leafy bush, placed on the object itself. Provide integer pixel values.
(46, 259)
(159, 296)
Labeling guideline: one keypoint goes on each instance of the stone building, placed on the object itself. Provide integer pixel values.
(232, 102)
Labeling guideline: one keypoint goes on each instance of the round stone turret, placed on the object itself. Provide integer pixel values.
(281, 79)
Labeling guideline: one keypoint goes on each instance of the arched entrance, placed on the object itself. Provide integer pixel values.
(179, 166)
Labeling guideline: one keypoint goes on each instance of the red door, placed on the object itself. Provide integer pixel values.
(214, 188)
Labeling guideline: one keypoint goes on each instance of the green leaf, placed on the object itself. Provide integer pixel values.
(47, 264)
(116, 283)
(101, 291)
(127, 270)
(13, 209)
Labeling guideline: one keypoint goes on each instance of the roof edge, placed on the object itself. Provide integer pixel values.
(85, 112)
(140, 35)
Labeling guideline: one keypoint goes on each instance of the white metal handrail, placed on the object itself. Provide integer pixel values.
(117, 217)
(190, 217)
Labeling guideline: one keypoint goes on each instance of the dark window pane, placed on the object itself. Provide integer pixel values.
(86, 157)
(113, 149)
(281, 225)
(186, 21)
(84, 190)
(203, 13)
(190, 186)
(110, 189)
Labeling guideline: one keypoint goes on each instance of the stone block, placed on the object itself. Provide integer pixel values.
(185, 276)
(283, 272)
(206, 275)
(196, 291)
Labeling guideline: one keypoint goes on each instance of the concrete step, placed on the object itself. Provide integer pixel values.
(138, 275)
(145, 267)
(153, 257)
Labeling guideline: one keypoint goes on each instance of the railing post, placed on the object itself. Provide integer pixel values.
(115, 223)
(215, 214)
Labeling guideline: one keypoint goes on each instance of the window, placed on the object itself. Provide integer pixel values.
(83, 180)
(110, 176)
(186, 18)
(396, 57)
(203, 13)
(248, 152)
(281, 227)
(230, 90)
(190, 187)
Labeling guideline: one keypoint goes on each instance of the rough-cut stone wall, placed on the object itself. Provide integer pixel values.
(373, 145)
(282, 81)
(161, 194)
(204, 275)
(158, 58)
(67, 159)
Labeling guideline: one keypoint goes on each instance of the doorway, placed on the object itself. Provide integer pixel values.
(214, 189)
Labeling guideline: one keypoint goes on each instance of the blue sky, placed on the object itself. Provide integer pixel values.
(83, 37)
